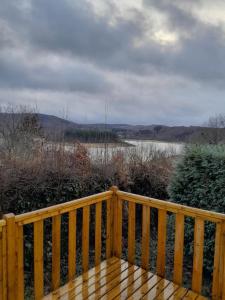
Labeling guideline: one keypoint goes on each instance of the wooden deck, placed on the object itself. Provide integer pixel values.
(117, 279)
(102, 218)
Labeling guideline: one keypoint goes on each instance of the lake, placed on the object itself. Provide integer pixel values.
(141, 147)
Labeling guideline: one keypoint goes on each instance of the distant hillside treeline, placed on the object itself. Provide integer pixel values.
(195, 134)
(201, 134)
(54, 128)
(90, 136)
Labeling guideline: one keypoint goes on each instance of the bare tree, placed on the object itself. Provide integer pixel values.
(216, 129)
(19, 126)
(212, 132)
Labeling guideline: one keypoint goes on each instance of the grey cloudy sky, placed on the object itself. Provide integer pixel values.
(152, 61)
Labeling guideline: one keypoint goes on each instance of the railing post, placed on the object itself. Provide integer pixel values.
(222, 283)
(11, 255)
(3, 266)
(117, 223)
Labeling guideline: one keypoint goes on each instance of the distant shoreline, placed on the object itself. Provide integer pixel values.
(109, 144)
(158, 141)
(126, 143)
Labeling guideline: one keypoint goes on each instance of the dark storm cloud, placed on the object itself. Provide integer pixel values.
(74, 28)
(71, 27)
(178, 18)
(15, 73)
(61, 27)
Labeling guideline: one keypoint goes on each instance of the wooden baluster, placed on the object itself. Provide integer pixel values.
(117, 233)
(72, 244)
(217, 262)
(56, 244)
(20, 263)
(11, 256)
(116, 217)
(179, 249)
(222, 269)
(38, 260)
(98, 233)
(198, 255)
(161, 251)
(131, 231)
(85, 238)
(145, 237)
(109, 228)
(4, 262)
(1, 264)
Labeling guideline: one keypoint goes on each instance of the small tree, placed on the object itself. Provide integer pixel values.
(18, 128)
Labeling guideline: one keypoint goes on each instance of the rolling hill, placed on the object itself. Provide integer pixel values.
(53, 126)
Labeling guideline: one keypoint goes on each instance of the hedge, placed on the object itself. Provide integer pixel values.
(199, 181)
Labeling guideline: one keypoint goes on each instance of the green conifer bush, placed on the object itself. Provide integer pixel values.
(199, 181)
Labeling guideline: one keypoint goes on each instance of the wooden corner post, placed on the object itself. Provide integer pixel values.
(117, 223)
(11, 255)
(222, 283)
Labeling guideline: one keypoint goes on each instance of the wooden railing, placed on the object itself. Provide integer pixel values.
(180, 211)
(3, 261)
(12, 241)
(11, 230)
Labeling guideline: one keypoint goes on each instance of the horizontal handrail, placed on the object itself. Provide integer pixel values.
(172, 207)
(62, 208)
(2, 223)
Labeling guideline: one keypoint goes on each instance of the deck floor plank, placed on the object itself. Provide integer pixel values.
(117, 279)
(179, 294)
(156, 290)
(133, 286)
(124, 285)
(104, 267)
(105, 289)
(145, 287)
(91, 285)
(168, 291)
(190, 296)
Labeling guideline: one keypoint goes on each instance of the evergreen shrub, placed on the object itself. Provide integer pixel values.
(199, 181)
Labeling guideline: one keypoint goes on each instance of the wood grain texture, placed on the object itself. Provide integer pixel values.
(145, 247)
(74, 288)
(114, 278)
(1, 265)
(56, 251)
(4, 262)
(131, 231)
(11, 255)
(117, 232)
(179, 249)
(20, 262)
(109, 228)
(85, 238)
(72, 244)
(117, 279)
(38, 260)
(62, 208)
(161, 250)
(217, 262)
(222, 269)
(98, 233)
(198, 255)
(172, 207)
